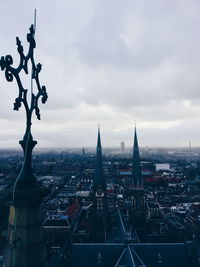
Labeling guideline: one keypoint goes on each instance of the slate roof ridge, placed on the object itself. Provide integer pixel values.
(135, 255)
(131, 255)
(117, 264)
(99, 244)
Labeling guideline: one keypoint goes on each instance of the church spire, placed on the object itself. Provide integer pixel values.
(99, 138)
(99, 210)
(99, 179)
(136, 172)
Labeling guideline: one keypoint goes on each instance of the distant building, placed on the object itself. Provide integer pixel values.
(122, 147)
(163, 167)
(57, 230)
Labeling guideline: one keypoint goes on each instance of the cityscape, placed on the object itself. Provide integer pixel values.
(128, 195)
(122, 207)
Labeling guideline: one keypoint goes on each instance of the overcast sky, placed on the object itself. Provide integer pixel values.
(111, 62)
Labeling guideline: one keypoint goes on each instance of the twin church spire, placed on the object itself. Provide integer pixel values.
(137, 181)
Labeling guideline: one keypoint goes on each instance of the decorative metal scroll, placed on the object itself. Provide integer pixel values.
(11, 72)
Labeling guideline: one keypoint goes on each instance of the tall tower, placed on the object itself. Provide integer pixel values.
(25, 246)
(99, 197)
(137, 209)
(99, 182)
(137, 181)
(122, 147)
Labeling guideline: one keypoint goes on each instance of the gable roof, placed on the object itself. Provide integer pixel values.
(133, 255)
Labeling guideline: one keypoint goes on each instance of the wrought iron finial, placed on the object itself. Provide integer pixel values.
(26, 179)
(11, 72)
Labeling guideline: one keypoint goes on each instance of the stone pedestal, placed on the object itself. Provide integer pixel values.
(26, 247)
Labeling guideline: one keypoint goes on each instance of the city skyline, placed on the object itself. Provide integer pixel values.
(111, 63)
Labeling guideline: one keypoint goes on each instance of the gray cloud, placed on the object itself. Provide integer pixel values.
(108, 62)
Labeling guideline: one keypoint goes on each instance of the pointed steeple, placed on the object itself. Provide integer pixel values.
(99, 138)
(99, 209)
(136, 172)
(99, 179)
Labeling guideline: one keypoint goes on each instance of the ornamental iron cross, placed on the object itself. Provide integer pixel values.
(11, 72)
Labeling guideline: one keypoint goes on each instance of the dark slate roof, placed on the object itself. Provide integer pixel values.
(137, 260)
(86, 255)
(170, 255)
(59, 221)
(150, 255)
(73, 208)
(120, 233)
(126, 259)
